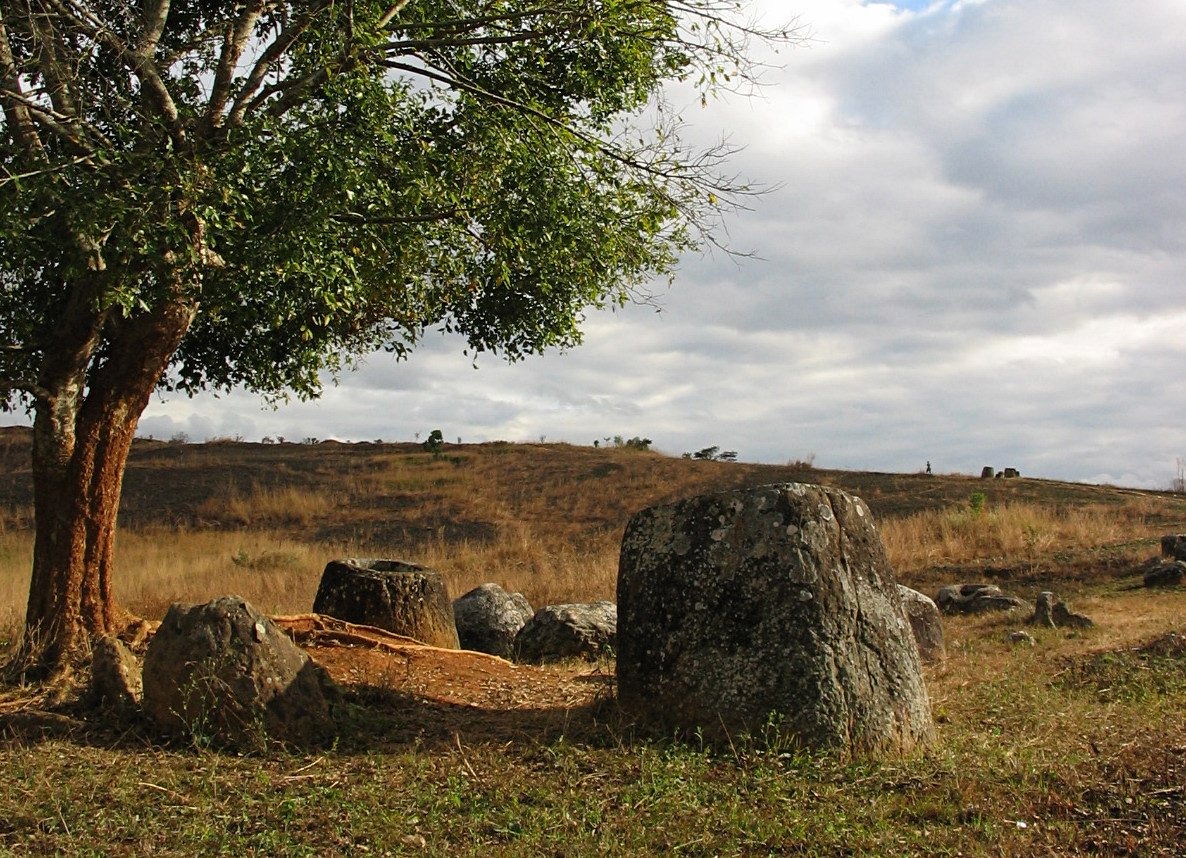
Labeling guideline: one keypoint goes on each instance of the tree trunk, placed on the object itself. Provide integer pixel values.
(81, 441)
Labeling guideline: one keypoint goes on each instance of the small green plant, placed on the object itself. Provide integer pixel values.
(977, 502)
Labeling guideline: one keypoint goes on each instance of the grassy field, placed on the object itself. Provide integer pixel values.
(1074, 746)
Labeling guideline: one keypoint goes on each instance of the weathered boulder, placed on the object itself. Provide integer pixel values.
(977, 599)
(488, 618)
(557, 632)
(1051, 613)
(1173, 546)
(987, 472)
(224, 673)
(116, 680)
(925, 623)
(1165, 574)
(772, 604)
(1022, 637)
(405, 598)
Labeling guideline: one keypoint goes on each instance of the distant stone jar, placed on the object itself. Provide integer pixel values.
(400, 597)
(768, 606)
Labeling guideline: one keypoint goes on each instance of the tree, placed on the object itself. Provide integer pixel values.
(435, 442)
(209, 194)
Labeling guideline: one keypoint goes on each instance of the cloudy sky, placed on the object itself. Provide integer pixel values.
(976, 255)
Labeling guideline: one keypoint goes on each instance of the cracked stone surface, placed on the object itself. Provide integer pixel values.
(769, 604)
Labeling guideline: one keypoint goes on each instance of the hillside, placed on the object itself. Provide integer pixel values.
(546, 517)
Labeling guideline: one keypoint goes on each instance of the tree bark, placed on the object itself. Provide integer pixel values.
(81, 441)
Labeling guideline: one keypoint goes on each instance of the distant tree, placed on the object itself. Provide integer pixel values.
(434, 442)
(727, 456)
(708, 453)
(209, 194)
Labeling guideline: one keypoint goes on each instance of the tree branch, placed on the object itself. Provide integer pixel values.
(428, 217)
(234, 43)
(28, 174)
(246, 98)
(154, 15)
(152, 85)
(9, 386)
(16, 110)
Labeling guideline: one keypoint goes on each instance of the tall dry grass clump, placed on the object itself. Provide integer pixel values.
(546, 571)
(1018, 531)
(275, 573)
(265, 505)
(16, 559)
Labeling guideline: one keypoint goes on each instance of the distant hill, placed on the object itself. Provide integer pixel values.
(469, 491)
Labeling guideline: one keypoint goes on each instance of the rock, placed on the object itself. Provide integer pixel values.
(404, 598)
(977, 599)
(1022, 637)
(1053, 614)
(1065, 618)
(116, 680)
(1173, 547)
(488, 618)
(1011, 473)
(223, 673)
(768, 605)
(1165, 574)
(1043, 610)
(558, 632)
(987, 472)
(925, 623)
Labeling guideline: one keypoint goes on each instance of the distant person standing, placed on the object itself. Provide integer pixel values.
(928, 468)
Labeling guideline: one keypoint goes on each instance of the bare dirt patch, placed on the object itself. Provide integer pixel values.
(413, 692)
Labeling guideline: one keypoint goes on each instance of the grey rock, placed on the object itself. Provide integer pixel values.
(116, 679)
(925, 623)
(1052, 613)
(488, 618)
(1173, 546)
(405, 598)
(772, 604)
(977, 599)
(1022, 637)
(557, 632)
(1044, 610)
(1165, 574)
(1064, 617)
(224, 673)
(987, 472)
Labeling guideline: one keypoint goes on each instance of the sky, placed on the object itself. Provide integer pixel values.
(974, 253)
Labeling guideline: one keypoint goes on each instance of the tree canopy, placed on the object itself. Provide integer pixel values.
(328, 178)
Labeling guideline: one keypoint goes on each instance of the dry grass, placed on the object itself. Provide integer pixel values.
(158, 567)
(545, 520)
(1019, 532)
(264, 506)
(546, 571)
